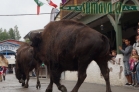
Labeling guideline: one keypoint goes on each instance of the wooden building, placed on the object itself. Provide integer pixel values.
(115, 26)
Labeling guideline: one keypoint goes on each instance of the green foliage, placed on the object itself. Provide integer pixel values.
(17, 34)
(10, 34)
(4, 35)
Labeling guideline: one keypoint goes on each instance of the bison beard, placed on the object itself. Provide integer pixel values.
(70, 45)
(26, 63)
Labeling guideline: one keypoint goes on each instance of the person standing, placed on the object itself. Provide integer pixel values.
(123, 44)
(132, 62)
(135, 71)
(136, 45)
(4, 64)
(1, 73)
(138, 29)
(127, 53)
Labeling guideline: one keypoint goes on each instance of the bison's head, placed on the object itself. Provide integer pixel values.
(36, 40)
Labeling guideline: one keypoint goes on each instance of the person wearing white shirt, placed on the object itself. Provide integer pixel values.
(136, 45)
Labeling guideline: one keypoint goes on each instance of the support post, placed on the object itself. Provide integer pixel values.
(117, 27)
(118, 33)
(136, 2)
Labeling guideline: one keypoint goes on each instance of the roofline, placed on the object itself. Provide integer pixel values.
(10, 39)
(11, 43)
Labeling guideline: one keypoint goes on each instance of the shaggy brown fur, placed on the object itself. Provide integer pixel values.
(26, 63)
(70, 45)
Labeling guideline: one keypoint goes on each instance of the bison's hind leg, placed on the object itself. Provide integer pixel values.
(50, 86)
(62, 88)
(105, 72)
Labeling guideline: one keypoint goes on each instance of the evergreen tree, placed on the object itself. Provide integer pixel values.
(4, 35)
(17, 34)
(12, 33)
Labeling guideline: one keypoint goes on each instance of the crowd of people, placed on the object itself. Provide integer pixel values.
(3, 67)
(130, 60)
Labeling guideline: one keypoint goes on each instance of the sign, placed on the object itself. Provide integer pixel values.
(101, 8)
(76, 8)
(8, 46)
(129, 8)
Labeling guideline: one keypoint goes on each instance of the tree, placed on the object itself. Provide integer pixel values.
(4, 35)
(12, 33)
(0, 30)
(17, 34)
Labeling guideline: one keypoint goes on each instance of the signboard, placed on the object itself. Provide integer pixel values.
(77, 8)
(128, 8)
(8, 46)
(101, 8)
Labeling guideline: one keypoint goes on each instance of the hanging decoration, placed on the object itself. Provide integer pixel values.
(51, 3)
(39, 4)
(101, 26)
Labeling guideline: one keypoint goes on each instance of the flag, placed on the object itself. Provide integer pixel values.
(39, 3)
(51, 3)
(63, 1)
(38, 10)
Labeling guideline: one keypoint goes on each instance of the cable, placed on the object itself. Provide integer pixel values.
(26, 14)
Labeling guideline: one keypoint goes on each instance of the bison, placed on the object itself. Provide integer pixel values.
(71, 45)
(26, 63)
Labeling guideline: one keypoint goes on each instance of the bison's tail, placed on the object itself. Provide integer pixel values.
(106, 47)
(48, 70)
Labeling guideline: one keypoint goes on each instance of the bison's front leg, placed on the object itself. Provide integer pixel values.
(105, 72)
(38, 85)
(56, 74)
(27, 76)
(23, 83)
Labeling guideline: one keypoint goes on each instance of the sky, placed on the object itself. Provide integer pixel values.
(25, 23)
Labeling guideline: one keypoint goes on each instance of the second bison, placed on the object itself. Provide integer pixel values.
(25, 63)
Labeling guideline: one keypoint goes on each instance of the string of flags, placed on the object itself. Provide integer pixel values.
(39, 4)
(51, 3)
